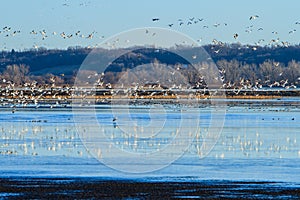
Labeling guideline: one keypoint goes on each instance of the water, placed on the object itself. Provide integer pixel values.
(259, 141)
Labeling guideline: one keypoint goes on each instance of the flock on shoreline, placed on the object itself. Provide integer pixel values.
(34, 94)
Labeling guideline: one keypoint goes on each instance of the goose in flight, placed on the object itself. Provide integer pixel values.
(217, 24)
(253, 17)
(155, 19)
(217, 51)
(33, 32)
(6, 28)
(63, 35)
(235, 36)
(90, 36)
(292, 31)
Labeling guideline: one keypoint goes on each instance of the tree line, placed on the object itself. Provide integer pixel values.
(260, 66)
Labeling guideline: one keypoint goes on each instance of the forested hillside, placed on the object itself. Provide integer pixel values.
(267, 65)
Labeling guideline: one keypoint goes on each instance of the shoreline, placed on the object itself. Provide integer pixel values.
(156, 97)
(89, 100)
(62, 97)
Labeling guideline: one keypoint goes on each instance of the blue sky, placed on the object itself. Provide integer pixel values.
(107, 18)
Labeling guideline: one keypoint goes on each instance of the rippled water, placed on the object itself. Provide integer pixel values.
(260, 141)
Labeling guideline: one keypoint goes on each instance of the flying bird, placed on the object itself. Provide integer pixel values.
(253, 17)
(33, 32)
(292, 31)
(217, 51)
(217, 24)
(90, 36)
(63, 35)
(235, 36)
(155, 19)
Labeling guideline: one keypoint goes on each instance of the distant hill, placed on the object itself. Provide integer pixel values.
(260, 66)
(42, 61)
(254, 54)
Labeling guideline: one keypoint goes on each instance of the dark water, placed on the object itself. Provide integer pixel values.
(86, 188)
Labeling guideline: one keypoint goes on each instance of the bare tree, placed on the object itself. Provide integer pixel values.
(292, 72)
(232, 70)
(249, 72)
(17, 74)
(270, 71)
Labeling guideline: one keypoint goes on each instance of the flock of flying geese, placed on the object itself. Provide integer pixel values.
(10, 91)
(63, 35)
(194, 21)
(43, 34)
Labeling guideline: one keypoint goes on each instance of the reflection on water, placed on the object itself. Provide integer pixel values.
(259, 141)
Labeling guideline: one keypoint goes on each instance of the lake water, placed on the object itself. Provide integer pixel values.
(258, 141)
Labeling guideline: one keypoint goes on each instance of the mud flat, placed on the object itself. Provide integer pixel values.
(86, 188)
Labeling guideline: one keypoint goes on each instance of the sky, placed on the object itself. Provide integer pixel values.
(103, 19)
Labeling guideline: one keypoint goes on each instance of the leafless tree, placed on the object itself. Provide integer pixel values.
(17, 74)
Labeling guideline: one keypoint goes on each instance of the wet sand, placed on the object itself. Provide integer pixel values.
(88, 188)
